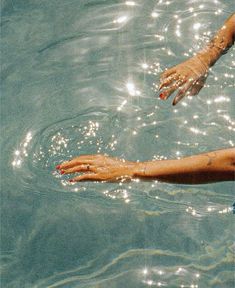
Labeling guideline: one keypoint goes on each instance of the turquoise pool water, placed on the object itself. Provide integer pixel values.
(79, 77)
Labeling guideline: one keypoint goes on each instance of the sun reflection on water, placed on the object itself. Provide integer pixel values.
(157, 277)
(22, 152)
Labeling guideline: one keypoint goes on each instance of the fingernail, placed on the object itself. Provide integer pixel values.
(57, 167)
(71, 180)
(62, 172)
(162, 96)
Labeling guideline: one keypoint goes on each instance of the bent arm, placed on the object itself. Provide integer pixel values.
(221, 42)
(198, 169)
(189, 76)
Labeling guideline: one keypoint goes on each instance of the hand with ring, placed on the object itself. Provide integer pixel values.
(97, 167)
(187, 78)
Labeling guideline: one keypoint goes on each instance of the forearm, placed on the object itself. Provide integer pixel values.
(204, 168)
(220, 43)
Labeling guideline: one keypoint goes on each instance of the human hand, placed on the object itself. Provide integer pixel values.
(97, 168)
(188, 78)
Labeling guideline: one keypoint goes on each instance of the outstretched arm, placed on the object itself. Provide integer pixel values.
(189, 77)
(198, 169)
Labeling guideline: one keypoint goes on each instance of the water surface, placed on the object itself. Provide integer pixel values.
(80, 77)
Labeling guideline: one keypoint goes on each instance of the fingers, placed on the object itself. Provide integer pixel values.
(168, 72)
(197, 86)
(196, 89)
(85, 177)
(84, 159)
(182, 93)
(167, 81)
(165, 94)
(78, 168)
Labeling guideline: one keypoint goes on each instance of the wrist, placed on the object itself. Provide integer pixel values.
(208, 57)
(212, 52)
(140, 169)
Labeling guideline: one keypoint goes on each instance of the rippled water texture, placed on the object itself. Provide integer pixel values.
(80, 77)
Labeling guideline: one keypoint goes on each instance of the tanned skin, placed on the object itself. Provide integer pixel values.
(209, 167)
(188, 78)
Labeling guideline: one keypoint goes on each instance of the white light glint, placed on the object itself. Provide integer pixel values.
(145, 271)
(196, 26)
(121, 19)
(20, 154)
(226, 117)
(122, 105)
(197, 131)
(193, 213)
(219, 11)
(225, 210)
(28, 136)
(177, 32)
(130, 3)
(210, 209)
(160, 37)
(145, 66)
(169, 52)
(155, 14)
(131, 89)
(221, 99)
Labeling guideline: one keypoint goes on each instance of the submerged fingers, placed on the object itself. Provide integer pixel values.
(165, 94)
(190, 88)
(182, 93)
(167, 81)
(195, 89)
(168, 72)
(86, 176)
(78, 168)
(184, 84)
(197, 86)
(84, 159)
